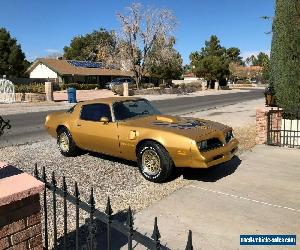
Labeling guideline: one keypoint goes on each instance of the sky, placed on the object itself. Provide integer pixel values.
(44, 27)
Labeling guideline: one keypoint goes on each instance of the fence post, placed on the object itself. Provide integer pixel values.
(54, 209)
(189, 244)
(77, 216)
(65, 192)
(156, 235)
(130, 227)
(49, 91)
(92, 210)
(109, 213)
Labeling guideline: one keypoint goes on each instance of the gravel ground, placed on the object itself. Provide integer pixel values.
(108, 176)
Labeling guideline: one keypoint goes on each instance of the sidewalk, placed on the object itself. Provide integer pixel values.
(60, 98)
(256, 194)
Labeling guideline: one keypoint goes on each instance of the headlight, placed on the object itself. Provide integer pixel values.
(202, 145)
(229, 136)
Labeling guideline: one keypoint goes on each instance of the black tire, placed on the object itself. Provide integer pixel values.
(166, 163)
(72, 149)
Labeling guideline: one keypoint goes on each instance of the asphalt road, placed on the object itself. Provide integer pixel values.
(29, 127)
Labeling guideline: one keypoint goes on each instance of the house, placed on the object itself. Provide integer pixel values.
(71, 71)
(189, 77)
(252, 73)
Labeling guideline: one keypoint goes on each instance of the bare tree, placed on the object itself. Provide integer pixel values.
(141, 28)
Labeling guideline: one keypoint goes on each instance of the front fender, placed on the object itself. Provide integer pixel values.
(178, 147)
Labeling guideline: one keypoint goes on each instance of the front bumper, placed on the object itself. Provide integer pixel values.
(214, 157)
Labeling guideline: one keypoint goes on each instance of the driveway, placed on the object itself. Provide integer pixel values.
(255, 194)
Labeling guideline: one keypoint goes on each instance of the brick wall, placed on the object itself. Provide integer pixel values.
(20, 224)
(262, 124)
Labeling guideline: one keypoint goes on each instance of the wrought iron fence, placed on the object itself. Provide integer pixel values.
(125, 229)
(4, 124)
(283, 128)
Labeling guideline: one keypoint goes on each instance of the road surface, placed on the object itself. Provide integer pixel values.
(29, 127)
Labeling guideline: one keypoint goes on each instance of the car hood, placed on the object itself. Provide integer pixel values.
(186, 126)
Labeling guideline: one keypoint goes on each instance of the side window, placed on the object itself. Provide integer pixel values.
(94, 112)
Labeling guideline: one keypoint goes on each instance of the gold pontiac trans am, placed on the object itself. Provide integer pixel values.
(131, 128)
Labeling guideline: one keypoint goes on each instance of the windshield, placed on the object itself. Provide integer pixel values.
(133, 108)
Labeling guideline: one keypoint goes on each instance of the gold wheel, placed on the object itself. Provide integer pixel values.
(151, 162)
(64, 143)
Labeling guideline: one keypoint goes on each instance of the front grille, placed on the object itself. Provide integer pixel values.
(212, 143)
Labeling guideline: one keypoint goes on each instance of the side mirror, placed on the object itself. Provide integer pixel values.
(104, 120)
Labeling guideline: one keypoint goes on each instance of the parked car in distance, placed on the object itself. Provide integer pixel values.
(119, 81)
(132, 129)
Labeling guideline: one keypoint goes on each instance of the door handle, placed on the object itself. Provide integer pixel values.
(78, 125)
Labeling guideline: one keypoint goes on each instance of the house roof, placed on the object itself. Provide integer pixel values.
(189, 74)
(63, 67)
(250, 68)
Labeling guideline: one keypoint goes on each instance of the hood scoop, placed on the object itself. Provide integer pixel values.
(165, 119)
(172, 122)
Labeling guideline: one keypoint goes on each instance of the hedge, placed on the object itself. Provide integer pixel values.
(40, 87)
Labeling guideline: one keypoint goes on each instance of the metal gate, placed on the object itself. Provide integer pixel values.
(87, 236)
(7, 91)
(283, 128)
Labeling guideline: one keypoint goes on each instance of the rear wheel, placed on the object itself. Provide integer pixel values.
(66, 144)
(154, 162)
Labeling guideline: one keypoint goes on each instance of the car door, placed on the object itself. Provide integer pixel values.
(94, 135)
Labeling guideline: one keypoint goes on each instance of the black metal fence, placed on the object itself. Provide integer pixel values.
(283, 128)
(4, 124)
(87, 232)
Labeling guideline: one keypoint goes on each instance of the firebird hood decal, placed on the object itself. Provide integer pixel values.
(187, 124)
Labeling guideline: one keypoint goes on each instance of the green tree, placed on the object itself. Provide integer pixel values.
(12, 59)
(164, 61)
(285, 54)
(186, 68)
(233, 55)
(210, 63)
(99, 45)
(262, 59)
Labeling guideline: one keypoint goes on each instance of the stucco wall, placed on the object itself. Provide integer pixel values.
(42, 71)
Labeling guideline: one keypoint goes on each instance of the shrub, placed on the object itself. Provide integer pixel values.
(147, 85)
(197, 85)
(242, 82)
(285, 58)
(80, 86)
(30, 88)
(162, 86)
(118, 89)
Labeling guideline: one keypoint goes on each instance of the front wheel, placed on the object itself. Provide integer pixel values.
(66, 144)
(154, 162)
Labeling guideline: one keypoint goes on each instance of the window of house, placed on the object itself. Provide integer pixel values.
(94, 112)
